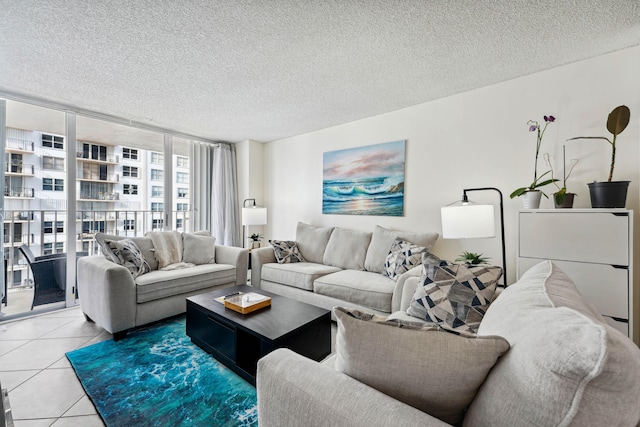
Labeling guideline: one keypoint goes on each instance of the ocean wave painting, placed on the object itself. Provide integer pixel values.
(364, 180)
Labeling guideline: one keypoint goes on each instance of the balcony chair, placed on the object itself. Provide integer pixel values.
(49, 276)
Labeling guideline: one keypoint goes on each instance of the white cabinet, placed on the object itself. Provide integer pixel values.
(594, 247)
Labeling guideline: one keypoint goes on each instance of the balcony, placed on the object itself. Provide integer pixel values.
(93, 158)
(19, 169)
(97, 177)
(19, 145)
(99, 196)
(21, 193)
(18, 239)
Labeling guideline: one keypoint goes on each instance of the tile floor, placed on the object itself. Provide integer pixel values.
(43, 388)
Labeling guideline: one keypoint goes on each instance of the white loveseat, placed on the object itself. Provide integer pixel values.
(342, 267)
(113, 298)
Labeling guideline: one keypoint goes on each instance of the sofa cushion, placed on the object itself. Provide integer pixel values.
(402, 257)
(167, 247)
(437, 372)
(457, 295)
(347, 249)
(312, 241)
(161, 284)
(365, 288)
(381, 242)
(566, 363)
(198, 249)
(286, 251)
(298, 275)
(145, 244)
(130, 256)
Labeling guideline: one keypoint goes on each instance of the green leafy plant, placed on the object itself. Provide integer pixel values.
(472, 258)
(537, 183)
(255, 237)
(561, 194)
(617, 121)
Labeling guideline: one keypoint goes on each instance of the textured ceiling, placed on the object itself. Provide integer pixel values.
(239, 69)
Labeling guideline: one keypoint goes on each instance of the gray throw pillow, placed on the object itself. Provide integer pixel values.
(383, 238)
(347, 249)
(130, 256)
(435, 371)
(456, 295)
(312, 241)
(402, 257)
(286, 251)
(167, 246)
(198, 249)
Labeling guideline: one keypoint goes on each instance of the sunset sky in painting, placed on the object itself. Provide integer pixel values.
(372, 161)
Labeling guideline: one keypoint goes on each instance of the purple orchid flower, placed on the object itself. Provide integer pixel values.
(549, 119)
(533, 128)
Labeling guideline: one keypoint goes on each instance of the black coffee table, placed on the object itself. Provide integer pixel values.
(239, 340)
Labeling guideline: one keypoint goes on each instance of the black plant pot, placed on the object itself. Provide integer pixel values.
(608, 194)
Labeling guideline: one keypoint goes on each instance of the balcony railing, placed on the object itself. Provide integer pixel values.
(18, 192)
(110, 158)
(94, 176)
(19, 238)
(24, 169)
(100, 196)
(20, 144)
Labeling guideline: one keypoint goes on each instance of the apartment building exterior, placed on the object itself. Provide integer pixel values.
(120, 190)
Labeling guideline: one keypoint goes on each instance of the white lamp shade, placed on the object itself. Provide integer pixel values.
(468, 221)
(254, 215)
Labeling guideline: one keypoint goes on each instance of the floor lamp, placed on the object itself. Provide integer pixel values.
(466, 220)
(252, 215)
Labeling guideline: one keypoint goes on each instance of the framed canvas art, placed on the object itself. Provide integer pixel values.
(364, 180)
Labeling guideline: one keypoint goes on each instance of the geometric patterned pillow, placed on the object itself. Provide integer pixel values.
(131, 257)
(286, 251)
(403, 256)
(457, 295)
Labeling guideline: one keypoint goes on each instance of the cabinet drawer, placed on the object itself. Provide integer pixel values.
(585, 237)
(621, 326)
(604, 286)
(218, 336)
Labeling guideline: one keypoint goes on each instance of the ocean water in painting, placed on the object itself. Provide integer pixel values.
(364, 180)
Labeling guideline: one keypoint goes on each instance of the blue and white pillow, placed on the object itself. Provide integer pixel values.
(286, 251)
(403, 256)
(130, 256)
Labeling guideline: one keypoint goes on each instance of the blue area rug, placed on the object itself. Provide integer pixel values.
(157, 377)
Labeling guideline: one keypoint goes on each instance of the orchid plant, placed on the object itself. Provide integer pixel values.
(534, 126)
(561, 194)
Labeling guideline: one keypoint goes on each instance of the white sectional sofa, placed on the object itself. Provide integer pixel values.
(113, 298)
(342, 267)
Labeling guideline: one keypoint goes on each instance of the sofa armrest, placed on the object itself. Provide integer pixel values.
(107, 293)
(259, 257)
(296, 391)
(399, 290)
(238, 257)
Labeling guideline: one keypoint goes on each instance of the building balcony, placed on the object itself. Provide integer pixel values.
(15, 145)
(19, 169)
(89, 158)
(102, 197)
(96, 177)
(19, 193)
(96, 216)
(19, 239)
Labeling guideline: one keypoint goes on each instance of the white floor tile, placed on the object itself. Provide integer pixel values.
(12, 379)
(82, 421)
(39, 354)
(31, 328)
(43, 422)
(83, 407)
(7, 346)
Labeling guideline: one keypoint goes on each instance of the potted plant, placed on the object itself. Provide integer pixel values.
(532, 193)
(472, 258)
(610, 194)
(562, 198)
(255, 239)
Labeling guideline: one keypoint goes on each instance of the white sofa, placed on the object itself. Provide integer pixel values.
(342, 266)
(565, 367)
(111, 297)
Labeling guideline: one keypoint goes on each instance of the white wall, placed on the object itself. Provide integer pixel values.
(474, 139)
(250, 164)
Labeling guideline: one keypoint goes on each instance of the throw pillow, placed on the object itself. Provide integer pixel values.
(131, 257)
(286, 251)
(102, 240)
(198, 249)
(435, 371)
(402, 257)
(167, 247)
(457, 295)
(383, 238)
(312, 241)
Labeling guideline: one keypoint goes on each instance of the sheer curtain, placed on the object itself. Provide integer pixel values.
(215, 192)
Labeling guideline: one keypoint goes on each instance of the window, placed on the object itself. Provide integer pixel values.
(157, 175)
(130, 171)
(51, 184)
(183, 193)
(129, 224)
(53, 163)
(157, 158)
(52, 141)
(130, 153)
(48, 227)
(157, 207)
(182, 177)
(182, 207)
(48, 248)
(130, 189)
(179, 223)
(157, 191)
(182, 162)
(157, 224)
